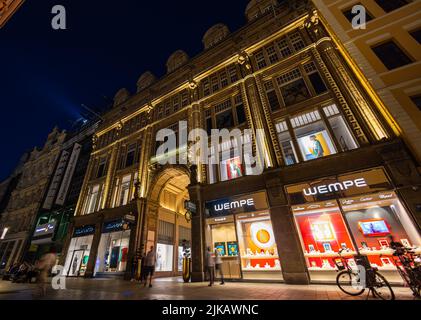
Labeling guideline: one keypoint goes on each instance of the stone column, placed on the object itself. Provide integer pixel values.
(291, 256)
(198, 242)
(109, 180)
(94, 249)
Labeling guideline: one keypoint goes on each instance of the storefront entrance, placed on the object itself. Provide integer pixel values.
(241, 230)
(79, 251)
(363, 215)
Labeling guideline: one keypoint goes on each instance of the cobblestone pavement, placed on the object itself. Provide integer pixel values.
(174, 289)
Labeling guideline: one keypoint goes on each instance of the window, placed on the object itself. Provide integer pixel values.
(284, 47)
(285, 141)
(390, 5)
(272, 54)
(391, 55)
(260, 59)
(215, 83)
(417, 101)
(293, 91)
(101, 167)
(224, 120)
(340, 128)
(224, 79)
(315, 79)
(206, 87)
(130, 155)
(349, 15)
(239, 109)
(233, 74)
(416, 35)
(272, 96)
(209, 126)
(124, 191)
(297, 41)
(92, 199)
(312, 137)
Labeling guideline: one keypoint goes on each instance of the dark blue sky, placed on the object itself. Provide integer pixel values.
(45, 75)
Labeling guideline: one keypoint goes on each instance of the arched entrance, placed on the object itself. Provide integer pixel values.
(167, 225)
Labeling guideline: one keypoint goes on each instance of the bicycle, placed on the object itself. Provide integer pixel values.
(352, 283)
(408, 267)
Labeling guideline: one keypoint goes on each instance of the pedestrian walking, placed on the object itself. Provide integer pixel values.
(44, 266)
(218, 265)
(149, 266)
(210, 266)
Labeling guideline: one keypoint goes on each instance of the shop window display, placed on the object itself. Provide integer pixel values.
(164, 257)
(323, 233)
(231, 169)
(285, 141)
(257, 246)
(112, 252)
(78, 256)
(373, 220)
(223, 238)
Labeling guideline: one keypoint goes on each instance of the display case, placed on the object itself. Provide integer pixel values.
(258, 251)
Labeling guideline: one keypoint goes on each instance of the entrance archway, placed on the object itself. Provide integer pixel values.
(167, 225)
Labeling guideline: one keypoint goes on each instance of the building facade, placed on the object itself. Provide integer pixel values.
(330, 153)
(52, 221)
(8, 9)
(17, 220)
(386, 54)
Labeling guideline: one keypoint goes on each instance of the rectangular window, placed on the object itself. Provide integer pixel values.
(215, 83)
(206, 87)
(272, 96)
(295, 92)
(283, 47)
(233, 74)
(391, 55)
(272, 55)
(349, 15)
(340, 129)
(390, 5)
(416, 35)
(260, 59)
(130, 155)
(231, 169)
(287, 146)
(124, 190)
(209, 126)
(297, 41)
(224, 79)
(101, 167)
(224, 120)
(317, 83)
(92, 199)
(312, 136)
(417, 101)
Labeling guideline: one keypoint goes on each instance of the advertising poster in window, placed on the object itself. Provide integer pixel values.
(316, 145)
(233, 167)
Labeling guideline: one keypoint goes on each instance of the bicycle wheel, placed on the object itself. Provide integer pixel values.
(348, 282)
(381, 288)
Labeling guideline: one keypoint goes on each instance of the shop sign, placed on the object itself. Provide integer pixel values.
(190, 206)
(45, 229)
(84, 231)
(55, 183)
(111, 226)
(236, 204)
(69, 174)
(361, 182)
(130, 218)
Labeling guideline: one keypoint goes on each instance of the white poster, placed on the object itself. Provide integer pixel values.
(55, 183)
(69, 174)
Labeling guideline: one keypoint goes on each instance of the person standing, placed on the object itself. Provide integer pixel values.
(44, 266)
(149, 267)
(218, 265)
(210, 266)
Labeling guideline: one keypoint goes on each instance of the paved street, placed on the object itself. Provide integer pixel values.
(174, 289)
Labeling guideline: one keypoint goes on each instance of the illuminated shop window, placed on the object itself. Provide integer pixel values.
(312, 136)
(165, 246)
(340, 128)
(375, 218)
(78, 256)
(287, 146)
(112, 252)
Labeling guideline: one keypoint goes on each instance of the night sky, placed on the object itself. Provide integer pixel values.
(45, 75)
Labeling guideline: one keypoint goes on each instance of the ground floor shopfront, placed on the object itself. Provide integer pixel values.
(289, 224)
(11, 249)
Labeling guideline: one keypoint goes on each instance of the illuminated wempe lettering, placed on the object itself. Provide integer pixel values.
(234, 204)
(335, 187)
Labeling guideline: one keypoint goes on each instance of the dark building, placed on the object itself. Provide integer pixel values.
(52, 221)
